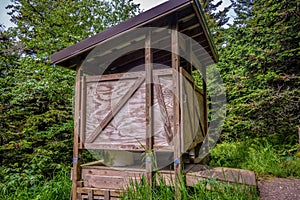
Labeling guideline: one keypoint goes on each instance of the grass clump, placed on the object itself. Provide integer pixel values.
(259, 156)
(58, 188)
(162, 191)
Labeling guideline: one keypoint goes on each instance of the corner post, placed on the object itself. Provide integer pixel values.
(149, 109)
(76, 161)
(176, 103)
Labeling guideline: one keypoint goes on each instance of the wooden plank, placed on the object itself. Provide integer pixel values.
(163, 72)
(99, 192)
(182, 107)
(186, 18)
(191, 79)
(168, 178)
(90, 195)
(107, 195)
(175, 66)
(163, 109)
(108, 169)
(98, 162)
(76, 164)
(124, 76)
(112, 172)
(182, 43)
(84, 197)
(117, 76)
(201, 116)
(192, 151)
(235, 176)
(114, 110)
(149, 107)
(83, 112)
(136, 147)
(186, 113)
(108, 182)
(205, 100)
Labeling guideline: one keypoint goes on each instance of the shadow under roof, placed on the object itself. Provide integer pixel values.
(190, 19)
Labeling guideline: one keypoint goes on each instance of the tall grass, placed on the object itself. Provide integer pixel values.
(259, 156)
(161, 191)
(58, 188)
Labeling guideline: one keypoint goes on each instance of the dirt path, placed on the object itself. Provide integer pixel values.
(279, 189)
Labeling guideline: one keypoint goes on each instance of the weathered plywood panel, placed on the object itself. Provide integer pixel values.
(100, 98)
(116, 112)
(200, 116)
(127, 125)
(188, 109)
(163, 112)
(193, 113)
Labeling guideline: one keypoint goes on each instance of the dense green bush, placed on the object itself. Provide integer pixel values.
(36, 102)
(58, 187)
(259, 156)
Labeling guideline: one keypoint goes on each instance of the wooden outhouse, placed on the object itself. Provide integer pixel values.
(137, 107)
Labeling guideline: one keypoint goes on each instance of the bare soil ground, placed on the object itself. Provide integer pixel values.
(279, 189)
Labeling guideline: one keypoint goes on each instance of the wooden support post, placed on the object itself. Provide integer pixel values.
(82, 111)
(176, 104)
(181, 106)
(107, 195)
(90, 195)
(76, 164)
(194, 98)
(205, 107)
(205, 99)
(149, 109)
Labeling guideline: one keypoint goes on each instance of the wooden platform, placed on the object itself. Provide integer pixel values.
(102, 182)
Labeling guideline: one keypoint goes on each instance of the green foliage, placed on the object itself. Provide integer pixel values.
(36, 102)
(259, 156)
(204, 190)
(58, 187)
(259, 63)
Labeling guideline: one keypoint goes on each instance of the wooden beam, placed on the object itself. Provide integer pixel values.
(181, 102)
(107, 195)
(126, 147)
(186, 18)
(149, 107)
(76, 162)
(176, 106)
(204, 80)
(111, 77)
(82, 111)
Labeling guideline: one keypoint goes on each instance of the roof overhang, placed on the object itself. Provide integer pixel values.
(190, 16)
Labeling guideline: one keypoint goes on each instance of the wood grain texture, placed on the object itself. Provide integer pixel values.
(128, 126)
(116, 106)
(109, 178)
(176, 106)
(82, 111)
(149, 107)
(76, 164)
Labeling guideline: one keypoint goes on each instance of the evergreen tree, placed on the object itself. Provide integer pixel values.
(260, 65)
(36, 102)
